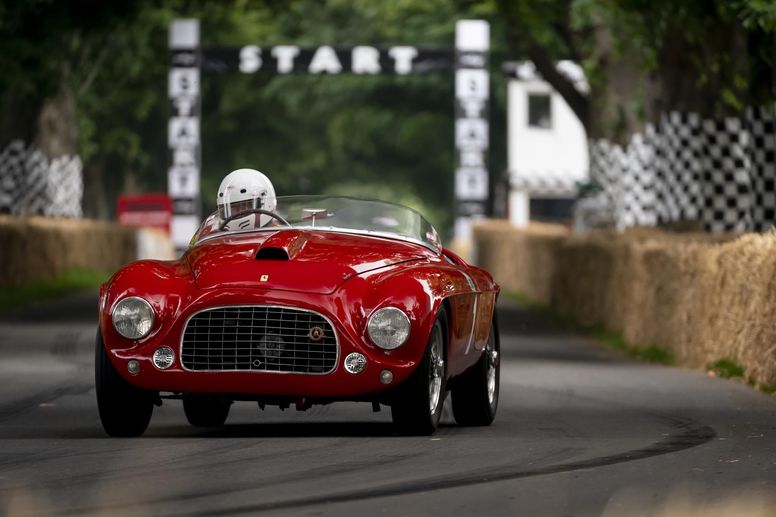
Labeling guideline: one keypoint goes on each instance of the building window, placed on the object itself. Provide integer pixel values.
(539, 111)
(552, 210)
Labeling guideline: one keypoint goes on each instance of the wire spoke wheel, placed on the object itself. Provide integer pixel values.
(436, 369)
(492, 358)
(475, 392)
(124, 409)
(417, 404)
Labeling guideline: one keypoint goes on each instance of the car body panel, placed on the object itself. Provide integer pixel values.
(344, 277)
(318, 261)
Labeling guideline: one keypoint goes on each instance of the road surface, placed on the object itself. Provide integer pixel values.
(580, 431)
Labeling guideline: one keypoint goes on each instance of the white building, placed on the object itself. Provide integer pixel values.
(547, 145)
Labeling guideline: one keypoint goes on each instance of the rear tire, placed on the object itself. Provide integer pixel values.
(125, 410)
(418, 404)
(475, 393)
(206, 412)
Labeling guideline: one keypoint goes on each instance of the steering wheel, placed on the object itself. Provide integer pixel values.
(253, 211)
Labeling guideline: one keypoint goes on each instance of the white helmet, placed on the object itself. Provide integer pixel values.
(243, 190)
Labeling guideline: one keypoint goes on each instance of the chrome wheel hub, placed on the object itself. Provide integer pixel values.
(492, 358)
(436, 369)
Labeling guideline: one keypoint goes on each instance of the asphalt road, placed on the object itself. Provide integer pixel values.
(580, 431)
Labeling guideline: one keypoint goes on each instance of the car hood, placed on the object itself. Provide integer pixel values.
(294, 260)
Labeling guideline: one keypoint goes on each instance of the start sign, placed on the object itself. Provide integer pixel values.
(468, 59)
(146, 210)
(289, 59)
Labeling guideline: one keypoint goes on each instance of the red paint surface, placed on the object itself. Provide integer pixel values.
(343, 277)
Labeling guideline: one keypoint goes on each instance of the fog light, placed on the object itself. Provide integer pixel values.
(133, 367)
(355, 363)
(163, 357)
(386, 376)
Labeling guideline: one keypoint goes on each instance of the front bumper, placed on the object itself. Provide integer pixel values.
(338, 384)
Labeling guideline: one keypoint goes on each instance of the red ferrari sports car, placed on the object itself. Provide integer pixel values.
(335, 299)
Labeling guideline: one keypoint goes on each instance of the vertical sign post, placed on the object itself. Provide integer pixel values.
(183, 130)
(472, 89)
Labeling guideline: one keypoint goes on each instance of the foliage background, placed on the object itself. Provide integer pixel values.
(381, 136)
(90, 77)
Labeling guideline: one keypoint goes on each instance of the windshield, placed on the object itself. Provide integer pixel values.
(327, 213)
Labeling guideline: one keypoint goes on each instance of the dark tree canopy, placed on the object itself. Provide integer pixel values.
(89, 77)
(96, 73)
(645, 57)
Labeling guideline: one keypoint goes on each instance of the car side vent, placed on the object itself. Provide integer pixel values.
(271, 253)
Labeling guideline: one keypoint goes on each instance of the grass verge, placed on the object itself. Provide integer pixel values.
(769, 389)
(726, 368)
(651, 354)
(614, 340)
(71, 281)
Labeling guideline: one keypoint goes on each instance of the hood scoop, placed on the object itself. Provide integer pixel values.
(283, 245)
(266, 253)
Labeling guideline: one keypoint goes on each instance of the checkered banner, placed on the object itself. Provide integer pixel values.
(718, 172)
(546, 185)
(30, 183)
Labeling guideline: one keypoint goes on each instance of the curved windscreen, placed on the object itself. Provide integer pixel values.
(327, 213)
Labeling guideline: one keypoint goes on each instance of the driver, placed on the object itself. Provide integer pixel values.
(241, 191)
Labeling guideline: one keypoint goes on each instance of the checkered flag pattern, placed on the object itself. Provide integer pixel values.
(761, 124)
(626, 178)
(65, 187)
(34, 196)
(12, 177)
(677, 147)
(545, 185)
(605, 170)
(727, 189)
(719, 172)
(30, 183)
(638, 182)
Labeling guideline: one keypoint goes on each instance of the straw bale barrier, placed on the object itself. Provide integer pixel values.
(703, 297)
(41, 248)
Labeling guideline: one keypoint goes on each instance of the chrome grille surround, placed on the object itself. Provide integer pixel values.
(258, 338)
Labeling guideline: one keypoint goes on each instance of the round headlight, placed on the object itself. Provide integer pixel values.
(133, 317)
(388, 328)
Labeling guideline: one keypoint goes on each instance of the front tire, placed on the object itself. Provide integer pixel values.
(418, 405)
(206, 412)
(125, 410)
(475, 394)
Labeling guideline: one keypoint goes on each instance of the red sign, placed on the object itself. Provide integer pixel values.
(146, 210)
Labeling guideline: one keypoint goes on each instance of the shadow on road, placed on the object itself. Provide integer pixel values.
(289, 429)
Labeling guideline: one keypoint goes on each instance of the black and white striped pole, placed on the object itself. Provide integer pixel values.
(472, 85)
(183, 131)
(472, 91)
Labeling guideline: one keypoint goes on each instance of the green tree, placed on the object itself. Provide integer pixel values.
(51, 54)
(313, 133)
(101, 69)
(645, 57)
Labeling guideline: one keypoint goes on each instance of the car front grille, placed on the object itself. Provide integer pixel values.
(259, 338)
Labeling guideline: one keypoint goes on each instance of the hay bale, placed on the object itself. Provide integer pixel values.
(522, 260)
(42, 248)
(704, 297)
